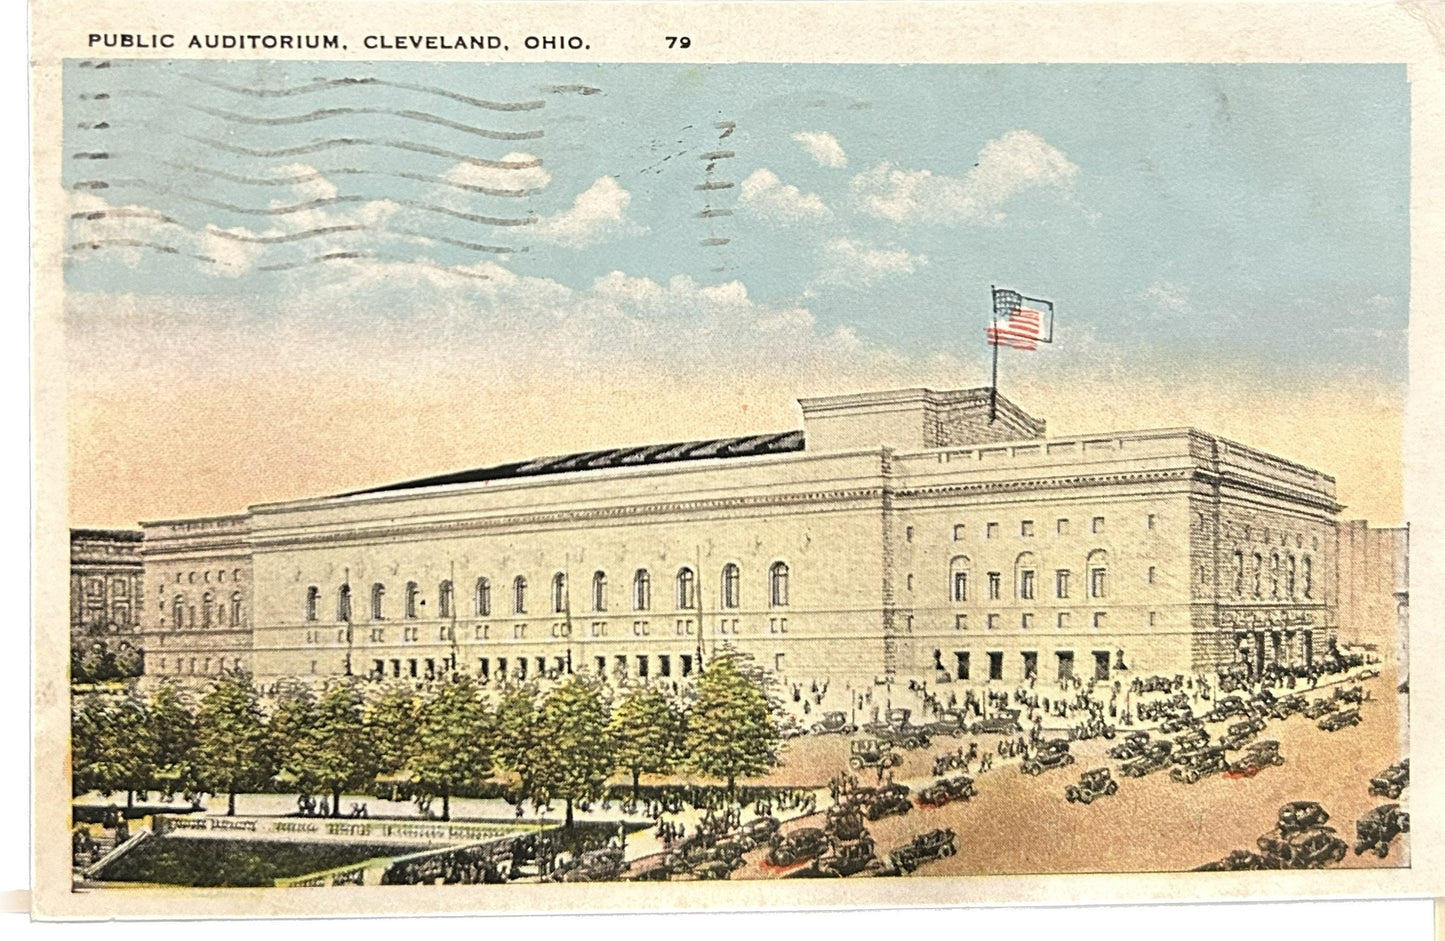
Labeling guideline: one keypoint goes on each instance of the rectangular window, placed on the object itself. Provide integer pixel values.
(642, 664)
(1097, 583)
(687, 664)
(960, 622)
(1026, 584)
(1098, 620)
(1063, 527)
(1149, 521)
(960, 586)
(783, 625)
(995, 664)
(772, 625)
(1098, 524)
(1063, 622)
(664, 665)
(995, 581)
(1026, 528)
(957, 531)
(1026, 621)
(1153, 618)
(1061, 583)
(1150, 575)
(992, 621)
(991, 531)
(961, 662)
(908, 533)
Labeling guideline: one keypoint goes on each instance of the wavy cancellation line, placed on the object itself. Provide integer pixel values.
(328, 172)
(102, 244)
(335, 142)
(328, 84)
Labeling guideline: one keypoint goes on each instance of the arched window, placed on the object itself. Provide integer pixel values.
(1309, 586)
(1289, 578)
(1238, 572)
(1025, 575)
(411, 593)
(444, 599)
(778, 584)
(730, 586)
(599, 591)
(208, 605)
(559, 593)
(958, 572)
(1274, 575)
(482, 598)
(1098, 567)
(236, 609)
(343, 603)
(378, 596)
(1258, 574)
(313, 595)
(686, 589)
(519, 595)
(641, 591)
(179, 608)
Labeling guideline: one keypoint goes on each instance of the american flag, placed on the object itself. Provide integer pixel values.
(1019, 322)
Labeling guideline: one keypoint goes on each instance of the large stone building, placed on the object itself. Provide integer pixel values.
(903, 533)
(106, 581)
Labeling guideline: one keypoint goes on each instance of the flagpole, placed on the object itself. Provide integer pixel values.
(993, 385)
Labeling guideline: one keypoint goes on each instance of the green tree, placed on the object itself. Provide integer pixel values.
(452, 742)
(109, 744)
(514, 742)
(392, 720)
(331, 751)
(89, 724)
(573, 753)
(647, 733)
(172, 738)
(236, 750)
(730, 728)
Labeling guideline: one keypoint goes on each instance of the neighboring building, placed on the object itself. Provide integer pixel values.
(106, 581)
(908, 533)
(1374, 573)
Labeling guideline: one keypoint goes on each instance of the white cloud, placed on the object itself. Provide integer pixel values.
(767, 197)
(1007, 166)
(846, 261)
(597, 213)
(823, 148)
(501, 178)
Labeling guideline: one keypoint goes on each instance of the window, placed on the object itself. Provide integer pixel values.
(908, 533)
(482, 598)
(1098, 620)
(1062, 527)
(961, 658)
(1026, 528)
(444, 599)
(778, 584)
(1026, 621)
(1153, 618)
(1026, 584)
(343, 604)
(960, 622)
(957, 531)
(1149, 521)
(777, 625)
(686, 589)
(411, 595)
(958, 579)
(730, 586)
(1149, 575)
(910, 581)
(378, 595)
(599, 591)
(991, 531)
(639, 628)
(559, 593)
(1274, 575)
(313, 595)
(1289, 578)
(236, 609)
(641, 591)
(993, 622)
(1238, 572)
(1258, 573)
(1308, 578)
(1098, 525)
(208, 604)
(1061, 583)
(1097, 583)
(1063, 621)
(995, 583)
(519, 595)
(995, 664)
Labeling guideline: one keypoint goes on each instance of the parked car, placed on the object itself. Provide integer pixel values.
(1180, 723)
(598, 865)
(1205, 761)
(1260, 755)
(1051, 754)
(889, 801)
(1154, 759)
(923, 848)
(872, 753)
(834, 723)
(1093, 783)
(759, 830)
(1392, 781)
(1239, 860)
(1240, 733)
(798, 846)
(1189, 741)
(1303, 849)
(848, 858)
(1286, 706)
(1002, 722)
(1302, 815)
(1340, 720)
(1376, 829)
(950, 722)
(898, 729)
(845, 821)
(1133, 745)
(1354, 694)
(1227, 706)
(1320, 708)
(946, 791)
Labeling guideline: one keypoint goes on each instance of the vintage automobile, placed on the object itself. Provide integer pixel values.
(950, 722)
(872, 753)
(1286, 706)
(888, 802)
(1050, 754)
(1133, 745)
(1339, 720)
(834, 723)
(1392, 781)
(711, 870)
(923, 848)
(1302, 815)
(849, 858)
(1320, 708)
(1239, 860)
(946, 791)
(598, 865)
(898, 729)
(845, 822)
(795, 847)
(1241, 733)
(1354, 694)
(1093, 783)
(1092, 728)
(1303, 849)
(1204, 761)
(1368, 674)
(1257, 757)
(1376, 829)
(1180, 723)
(759, 830)
(1227, 706)
(791, 727)
(1189, 741)
(1002, 722)
(1155, 758)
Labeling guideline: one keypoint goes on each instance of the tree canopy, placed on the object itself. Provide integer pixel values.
(730, 728)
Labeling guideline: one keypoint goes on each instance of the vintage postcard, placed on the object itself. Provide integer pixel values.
(544, 456)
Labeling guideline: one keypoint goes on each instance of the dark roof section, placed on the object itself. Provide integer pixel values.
(753, 446)
(108, 535)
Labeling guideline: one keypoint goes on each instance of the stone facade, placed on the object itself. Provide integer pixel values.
(106, 581)
(908, 536)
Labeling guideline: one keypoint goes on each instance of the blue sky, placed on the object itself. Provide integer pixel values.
(1257, 213)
